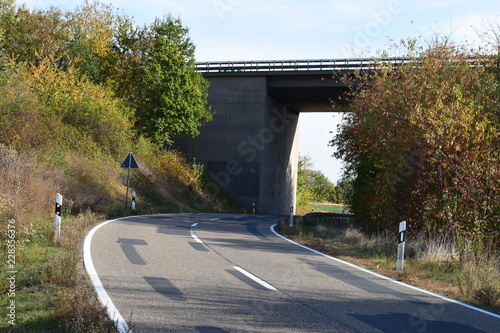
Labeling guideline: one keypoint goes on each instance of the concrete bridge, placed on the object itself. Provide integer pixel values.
(250, 148)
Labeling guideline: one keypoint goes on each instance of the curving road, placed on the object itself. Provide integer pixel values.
(231, 273)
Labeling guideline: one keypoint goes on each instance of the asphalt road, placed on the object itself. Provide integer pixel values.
(213, 273)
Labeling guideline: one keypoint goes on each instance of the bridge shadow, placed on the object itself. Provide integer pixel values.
(215, 309)
(250, 232)
(394, 322)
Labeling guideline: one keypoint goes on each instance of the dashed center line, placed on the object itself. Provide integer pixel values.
(197, 240)
(239, 269)
(256, 279)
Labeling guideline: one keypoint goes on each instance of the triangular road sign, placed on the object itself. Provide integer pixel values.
(130, 162)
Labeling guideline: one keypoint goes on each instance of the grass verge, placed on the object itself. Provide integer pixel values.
(49, 293)
(432, 264)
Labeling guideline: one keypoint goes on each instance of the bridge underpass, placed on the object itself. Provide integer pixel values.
(250, 148)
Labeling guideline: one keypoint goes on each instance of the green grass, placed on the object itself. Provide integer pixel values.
(33, 293)
(324, 208)
(49, 294)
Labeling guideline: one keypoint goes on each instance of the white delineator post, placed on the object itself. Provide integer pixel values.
(401, 246)
(57, 215)
(133, 200)
(291, 215)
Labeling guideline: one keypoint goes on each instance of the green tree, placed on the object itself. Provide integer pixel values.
(92, 29)
(304, 196)
(313, 185)
(304, 167)
(32, 37)
(90, 118)
(344, 188)
(152, 68)
(320, 186)
(7, 14)
(172, 97)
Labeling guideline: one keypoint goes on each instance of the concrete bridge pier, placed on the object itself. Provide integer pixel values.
(250, 149)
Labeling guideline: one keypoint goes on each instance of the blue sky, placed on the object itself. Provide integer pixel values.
(309, 29)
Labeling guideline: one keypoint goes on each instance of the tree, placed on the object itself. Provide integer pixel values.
(313, 184)
(32, 37)
(172, 97)
(344, 188)
(304, 196)
(92, 28)
(152, 68)
(321, 188)
(422, 143)
(7, 13)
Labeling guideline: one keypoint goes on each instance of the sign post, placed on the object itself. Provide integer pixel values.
(401, 246)
(291, 215)
(129, 163)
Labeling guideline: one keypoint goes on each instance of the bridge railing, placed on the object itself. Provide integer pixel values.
(344, 65)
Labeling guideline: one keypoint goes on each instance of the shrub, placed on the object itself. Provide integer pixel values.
(90, 117)
(79, 311)
(22, 124)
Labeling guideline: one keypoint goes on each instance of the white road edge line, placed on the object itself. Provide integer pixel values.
(197, 240)
(256, 279)
(387, 278)
(104, 298)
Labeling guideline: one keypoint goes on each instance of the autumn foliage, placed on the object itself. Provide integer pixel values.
(92, 64)
(422, 141)
(80, 89)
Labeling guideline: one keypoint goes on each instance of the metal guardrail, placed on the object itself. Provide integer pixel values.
(337, 220)
(344, 65)
(331, 65)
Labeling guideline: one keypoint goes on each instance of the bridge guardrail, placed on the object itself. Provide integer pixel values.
(331, 65)
(337, 220)
(343, 65)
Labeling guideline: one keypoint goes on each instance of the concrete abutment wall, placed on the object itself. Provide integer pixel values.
(250, 148)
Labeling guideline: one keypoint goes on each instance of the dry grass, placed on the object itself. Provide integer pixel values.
(432, 263)
(25, 187)
(479, 279)
(79, 311)
(93, 183)
(72, 231)
(50, 291)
